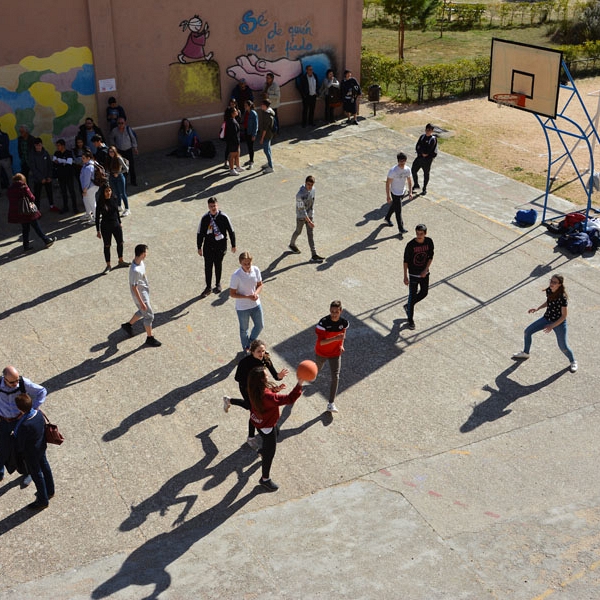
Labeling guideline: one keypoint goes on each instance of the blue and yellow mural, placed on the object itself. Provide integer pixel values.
(50, 95)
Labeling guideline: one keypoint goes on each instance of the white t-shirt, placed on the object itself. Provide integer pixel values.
(245, 284)
(398, 176)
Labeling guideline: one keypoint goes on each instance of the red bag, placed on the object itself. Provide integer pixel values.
(53, 435)
(572, 219)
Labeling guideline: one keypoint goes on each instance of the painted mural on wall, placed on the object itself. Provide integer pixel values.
(282, 49)
(50, 95)
(194, 77)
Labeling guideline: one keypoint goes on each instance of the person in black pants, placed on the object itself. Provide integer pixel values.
(308, 84)
(258, 357)
(426, 151)
(63, 162)
(211, 241)
(108, 225)
(418, 255)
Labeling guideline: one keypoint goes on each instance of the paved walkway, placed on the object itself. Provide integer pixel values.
(449, 472)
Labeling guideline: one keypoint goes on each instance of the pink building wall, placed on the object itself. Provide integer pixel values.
(57, 56)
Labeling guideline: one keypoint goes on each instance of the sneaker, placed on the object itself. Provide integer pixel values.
(217, 289)
(226, 403)
(388, 223)
(268, 170)
(37, 506)
(126, 213)
(233, 172)
(520, 355)
(315, 258)
(122, 264)
(107, 269)
(416, 187)
(573, 368)
(268, 484)
(127, 328)
(249, 165)
(152, 341)
(50, 242)
(248, 162)
(424, 192)
(55, 208)
(294, 249)
(403, 230)
(205, 293)
(254, 443)
(411, 325)
(26, 481)
(332, 408)
(239, 169)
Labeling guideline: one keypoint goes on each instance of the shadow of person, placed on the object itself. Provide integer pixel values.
(377, 214)
(167, 404)
(495, 407)
(147, 565)
(16, 519)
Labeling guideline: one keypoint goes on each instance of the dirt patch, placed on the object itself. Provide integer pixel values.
(505, 140)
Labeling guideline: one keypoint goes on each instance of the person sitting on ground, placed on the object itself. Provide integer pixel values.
(188, 142)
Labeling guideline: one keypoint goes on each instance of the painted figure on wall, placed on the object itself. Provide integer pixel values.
(194, 47)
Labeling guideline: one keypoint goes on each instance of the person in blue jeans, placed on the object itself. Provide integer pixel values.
(266, 128)
(554, 319)
(30, 440)
(245, 287)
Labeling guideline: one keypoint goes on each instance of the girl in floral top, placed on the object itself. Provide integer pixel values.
(554, 319)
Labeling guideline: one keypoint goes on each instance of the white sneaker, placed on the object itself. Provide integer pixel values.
(268, 170)
(253, 442)
(233, 172)
(226, 403)
(126, 213)
(250, 166)
(521, 355)
(239, 169)
(332, 408)
(574, 366)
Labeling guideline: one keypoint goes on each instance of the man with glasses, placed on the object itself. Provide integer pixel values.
(12, 384)
(395, 188)
(123, 137)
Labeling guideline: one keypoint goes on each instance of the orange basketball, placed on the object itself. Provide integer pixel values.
(307, 370)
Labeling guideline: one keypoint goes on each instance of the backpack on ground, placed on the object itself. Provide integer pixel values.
(526, 217)
(576, 243)
(207, 149)
(100, 176)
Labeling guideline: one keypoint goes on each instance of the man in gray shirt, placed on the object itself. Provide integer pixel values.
(305, 212)
(123, 137)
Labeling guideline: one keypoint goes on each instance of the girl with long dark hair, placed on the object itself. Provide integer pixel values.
(108, 225)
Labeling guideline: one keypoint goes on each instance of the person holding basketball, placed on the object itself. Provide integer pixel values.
(258, 357)
(331, 333)
(264, 412)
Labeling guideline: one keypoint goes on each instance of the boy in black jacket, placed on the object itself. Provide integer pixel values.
(30, 439)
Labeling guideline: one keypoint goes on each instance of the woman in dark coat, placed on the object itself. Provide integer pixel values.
(16, 192)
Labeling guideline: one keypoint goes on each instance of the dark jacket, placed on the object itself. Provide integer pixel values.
(303, 85)
(16, 191)
(40, 164)
(203, 238)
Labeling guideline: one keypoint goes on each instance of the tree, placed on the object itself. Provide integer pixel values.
(407, 11)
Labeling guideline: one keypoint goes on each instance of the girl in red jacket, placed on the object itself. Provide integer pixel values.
(264, 413)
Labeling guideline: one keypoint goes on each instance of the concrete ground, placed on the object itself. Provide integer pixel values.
(450, 472)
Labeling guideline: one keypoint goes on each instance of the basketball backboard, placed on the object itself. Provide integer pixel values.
(530, 74)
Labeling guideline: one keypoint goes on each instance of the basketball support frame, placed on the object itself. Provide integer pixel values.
(578, 133)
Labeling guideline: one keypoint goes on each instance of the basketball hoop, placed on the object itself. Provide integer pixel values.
(509, 100)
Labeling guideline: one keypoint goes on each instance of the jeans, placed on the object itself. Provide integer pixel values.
(396, 207)
(269, 446)
(561, 336)
(107, 234)
(244, 317)
(335, 364)
(41, 473)
(418, 288)
(119, 189)
(267, 151)
(300, 223)
(38, 230)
